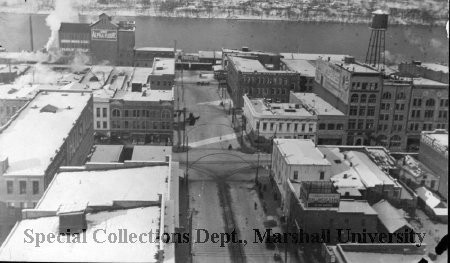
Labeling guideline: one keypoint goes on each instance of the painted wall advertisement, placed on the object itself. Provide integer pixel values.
(334, 79)
(104, 34)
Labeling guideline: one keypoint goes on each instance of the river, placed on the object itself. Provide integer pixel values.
(402, 42)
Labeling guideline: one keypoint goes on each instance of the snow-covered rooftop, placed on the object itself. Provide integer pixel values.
(163, 66)
(145, 95)
(153, 153)
(302, 66)
(42, 131)
(106, 153)
(300, 152)
(267, 109)
(355, 206)
(100, 225)
(12, 91)
(392, 218)
(247, 65)
(312, 101)
(129, 184)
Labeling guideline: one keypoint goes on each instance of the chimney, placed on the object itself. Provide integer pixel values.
(351, 164)
(3, 165)
(324, 156)
(167, 158)
(345, 176)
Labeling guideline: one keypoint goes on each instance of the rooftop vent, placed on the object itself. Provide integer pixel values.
(345, 176)
(72, 218)
(297, 106)
(349, 60)
(68, 107)
(49, 108)
(11, 91)
(245, 49)
(159, 68)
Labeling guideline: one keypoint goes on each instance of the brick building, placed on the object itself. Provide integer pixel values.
(251, 77)
(354, 89)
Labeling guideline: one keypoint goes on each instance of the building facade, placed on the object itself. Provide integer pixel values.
(264, 121)
(354, 89)
(145, 56)
(433, 152)
(331, 123)
(162, 76)
(104, 40)
(249, 76)
(143, 117)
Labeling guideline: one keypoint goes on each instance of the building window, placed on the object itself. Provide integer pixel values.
(295, 126)
(429, 113)
(280, 128)
(105, 114)
(371, 111)
(264, 126)
(387, 96)
(362, 111)
(352, 124)
(322, 175)
(322, 126)
(444, 103)
(98, 125)
(295, 175)
(126, 124)
(363, 98)
(22, 187)
(401, 96)
(97, 112)
(105, 125)
(288, 126)
(9, 187)
(354, 98)
(430, 103)
(339, 126)
(35, 187)
(372, 98)
(417, 102)
(311, 127)
(331, 126)
(116, 113)
(353, 110)
(126, 113)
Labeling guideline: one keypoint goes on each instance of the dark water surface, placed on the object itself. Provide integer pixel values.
(402, 42)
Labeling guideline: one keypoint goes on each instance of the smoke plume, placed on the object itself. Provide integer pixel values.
(64, 12)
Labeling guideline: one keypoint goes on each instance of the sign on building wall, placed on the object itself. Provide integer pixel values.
(334, 79)
(323, 200)
(104, 34)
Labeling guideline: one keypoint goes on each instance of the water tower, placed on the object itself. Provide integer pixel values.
(375, 51)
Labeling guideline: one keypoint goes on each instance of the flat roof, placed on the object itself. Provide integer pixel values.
(247, 65)
(161, 49)
(128, 184)
(140, 75)
(354, 252)
(435, 67)
(210, 54)
(42, 131)
(355, 67)
(356, 206)
(302, 66)
(313, 57)
(416, 168)
(278, 109)
(300, 152)
(106, 153)
(12, 91)
(163, 66)
(153, 153)
(392, 218)
(137, 220)
(427, 82)
(315, 102)
(439, 138)
(145, 95)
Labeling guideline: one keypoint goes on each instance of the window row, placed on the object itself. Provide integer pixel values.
(359, 125)
(265, 91)
(22, 187)
(421, 126)
(103, 111)
(361, 111)
(417, 102)
(331, 126)
(165, 114)
(355, 98)
(104, 126)
(364, 86)
(388, 96)
(164, 83)
(285, 127)
(266, 80)
(141, 125)
(8, 110)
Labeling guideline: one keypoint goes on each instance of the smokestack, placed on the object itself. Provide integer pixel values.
(31, 33)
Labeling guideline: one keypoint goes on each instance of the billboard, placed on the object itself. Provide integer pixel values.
(104, 34)
(323, 200)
